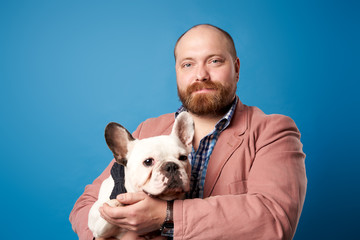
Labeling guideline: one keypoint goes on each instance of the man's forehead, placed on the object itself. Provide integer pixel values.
(201, 52)
(191, 41)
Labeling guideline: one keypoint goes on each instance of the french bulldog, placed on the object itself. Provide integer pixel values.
(158, 166)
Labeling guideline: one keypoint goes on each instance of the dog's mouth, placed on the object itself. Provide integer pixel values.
(171, 194)
(173, 189)
(168, 183)
(168, 194)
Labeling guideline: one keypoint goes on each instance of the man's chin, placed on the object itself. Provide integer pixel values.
(207, 101)
(205, 104)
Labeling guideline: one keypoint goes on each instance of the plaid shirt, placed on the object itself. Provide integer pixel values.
(200, 158)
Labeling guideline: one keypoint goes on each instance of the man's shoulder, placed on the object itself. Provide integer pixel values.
(156, 126)
(255, 119)
(258, 120)
(162, 122)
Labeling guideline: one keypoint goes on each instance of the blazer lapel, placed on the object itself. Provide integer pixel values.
(229, 140)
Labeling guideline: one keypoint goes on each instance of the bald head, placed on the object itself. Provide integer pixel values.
(208, 28)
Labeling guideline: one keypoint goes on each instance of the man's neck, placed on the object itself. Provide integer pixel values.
(203, 126)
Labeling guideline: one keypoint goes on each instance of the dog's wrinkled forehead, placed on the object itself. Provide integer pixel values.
(160, 147)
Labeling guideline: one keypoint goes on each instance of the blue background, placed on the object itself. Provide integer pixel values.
(67, 68)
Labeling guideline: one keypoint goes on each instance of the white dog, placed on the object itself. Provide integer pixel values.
(158, 166)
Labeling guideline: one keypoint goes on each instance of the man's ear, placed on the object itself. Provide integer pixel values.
(237, 69)
(184, 128)
(118, 139)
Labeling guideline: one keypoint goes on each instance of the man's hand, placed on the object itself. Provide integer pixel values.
(142, 213)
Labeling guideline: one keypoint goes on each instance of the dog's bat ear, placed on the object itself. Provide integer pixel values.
(184, 128)
(118, 139)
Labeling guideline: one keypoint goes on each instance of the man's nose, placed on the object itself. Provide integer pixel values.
(202, 73)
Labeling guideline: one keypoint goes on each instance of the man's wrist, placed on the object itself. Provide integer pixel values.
(167, 228)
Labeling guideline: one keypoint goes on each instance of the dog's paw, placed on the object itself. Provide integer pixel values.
(113, 203)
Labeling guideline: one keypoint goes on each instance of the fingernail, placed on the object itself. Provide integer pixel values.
(120, 197)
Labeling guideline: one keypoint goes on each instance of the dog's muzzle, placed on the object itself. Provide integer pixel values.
(170, 168)
(171, 171)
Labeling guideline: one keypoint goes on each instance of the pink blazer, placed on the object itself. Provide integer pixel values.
(254, 188)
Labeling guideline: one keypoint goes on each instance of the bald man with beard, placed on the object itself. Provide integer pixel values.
(248, 178)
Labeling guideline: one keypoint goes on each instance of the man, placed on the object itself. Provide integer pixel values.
(248, 173)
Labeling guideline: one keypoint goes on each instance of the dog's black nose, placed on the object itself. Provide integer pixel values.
(171, 167)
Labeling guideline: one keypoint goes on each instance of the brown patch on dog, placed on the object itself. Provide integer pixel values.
(117, 139)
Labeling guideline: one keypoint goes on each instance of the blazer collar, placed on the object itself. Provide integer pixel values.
(229, 140)
(239, 123)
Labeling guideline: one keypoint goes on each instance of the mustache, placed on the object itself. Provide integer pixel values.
(197, 86)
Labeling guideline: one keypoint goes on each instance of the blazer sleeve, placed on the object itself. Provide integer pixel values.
(80, 211)
(79, 214)
(271, 206)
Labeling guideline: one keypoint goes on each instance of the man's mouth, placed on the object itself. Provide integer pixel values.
(204, 90)
(200, 87)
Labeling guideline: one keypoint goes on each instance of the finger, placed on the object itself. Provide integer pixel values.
(117, 216)
(112, 212)
(131, 198)
(120, 222)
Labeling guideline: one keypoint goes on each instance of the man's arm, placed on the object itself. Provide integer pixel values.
(271, 206)
(80, 211)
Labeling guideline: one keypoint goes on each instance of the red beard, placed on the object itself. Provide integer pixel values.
(216, 102)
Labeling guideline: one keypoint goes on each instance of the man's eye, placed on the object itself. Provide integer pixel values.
(186, 65)
(148, 162)
(216, 61)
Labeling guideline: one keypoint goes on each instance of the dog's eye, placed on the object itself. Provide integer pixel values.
(183, 158)
(148, 162)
